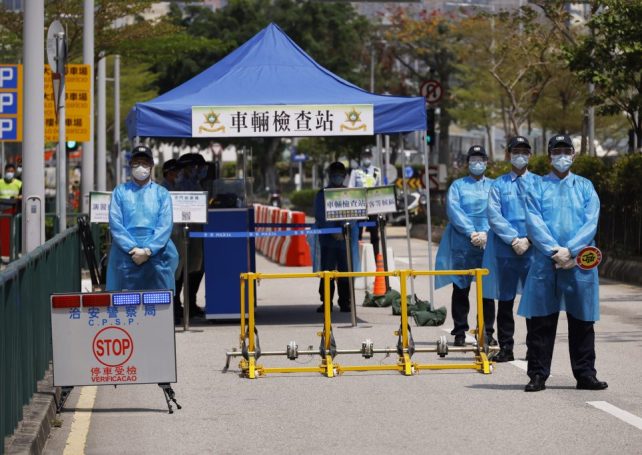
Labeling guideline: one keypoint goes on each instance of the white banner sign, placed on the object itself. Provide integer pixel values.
(119, 338)
(189, 206)
(99, 206)
(345, 204)
(283, 120)
(382, 199)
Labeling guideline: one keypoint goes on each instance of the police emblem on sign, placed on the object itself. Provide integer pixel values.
(589, 258)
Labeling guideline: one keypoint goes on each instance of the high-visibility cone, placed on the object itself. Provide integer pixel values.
(380, 282)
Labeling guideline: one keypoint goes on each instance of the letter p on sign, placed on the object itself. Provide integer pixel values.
(8, 77)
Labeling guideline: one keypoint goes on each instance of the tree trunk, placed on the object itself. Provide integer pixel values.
(271, 179)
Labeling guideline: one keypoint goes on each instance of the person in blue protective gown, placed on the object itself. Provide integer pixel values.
(142, 256)
(463, 242)
(561, 219)
(508, 255)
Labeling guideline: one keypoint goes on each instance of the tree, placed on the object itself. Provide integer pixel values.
(611, 58)
(428, 40)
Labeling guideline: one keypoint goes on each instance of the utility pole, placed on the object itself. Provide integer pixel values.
(87, 177)
(101, 125)
(33, 145)
(119, 164)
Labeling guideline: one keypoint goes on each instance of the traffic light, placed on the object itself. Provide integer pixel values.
(430, 125)
(71, 146)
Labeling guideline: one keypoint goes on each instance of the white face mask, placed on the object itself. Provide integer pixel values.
(366, 162)
(562, 163)
(477, 167)
(8, 175)
(141, 173)
(519, 161)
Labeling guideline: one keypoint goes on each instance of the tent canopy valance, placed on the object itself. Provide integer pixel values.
(270, 87)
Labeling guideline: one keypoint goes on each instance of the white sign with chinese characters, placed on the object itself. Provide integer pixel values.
(283, 120)
(113, 338)
(189, 206)
(345, 204)
(99, 206)
(382, 199)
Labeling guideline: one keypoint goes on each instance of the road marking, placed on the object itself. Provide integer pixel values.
(621, 414)
(80, 425)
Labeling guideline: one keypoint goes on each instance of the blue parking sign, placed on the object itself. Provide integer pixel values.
(8, 129)
(8, 103)
(9, 77)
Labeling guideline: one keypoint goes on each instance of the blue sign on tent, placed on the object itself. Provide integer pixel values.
(408, 172)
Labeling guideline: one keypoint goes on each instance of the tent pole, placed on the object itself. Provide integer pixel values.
(426, 151)
(405, 207)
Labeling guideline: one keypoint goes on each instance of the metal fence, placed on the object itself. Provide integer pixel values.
(25, 328)
(620, 229)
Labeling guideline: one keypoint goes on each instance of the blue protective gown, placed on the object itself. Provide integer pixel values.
(507, 220)
(562, 213)
(466, 204)
(141, 216)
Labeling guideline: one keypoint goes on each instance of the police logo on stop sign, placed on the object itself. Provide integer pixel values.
(113, 346)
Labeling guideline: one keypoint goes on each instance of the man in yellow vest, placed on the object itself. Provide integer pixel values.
(10, 187)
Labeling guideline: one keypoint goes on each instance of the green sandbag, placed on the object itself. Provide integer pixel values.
(430, 318)
(419, 305)
(372, 300)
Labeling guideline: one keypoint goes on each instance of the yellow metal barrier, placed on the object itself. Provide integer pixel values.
(250, 349)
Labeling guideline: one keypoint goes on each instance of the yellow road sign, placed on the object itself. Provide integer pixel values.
(77, 104)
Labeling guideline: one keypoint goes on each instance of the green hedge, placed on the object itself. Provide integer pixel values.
(304, 199)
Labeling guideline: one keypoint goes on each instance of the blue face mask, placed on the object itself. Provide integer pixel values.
(562, 163)
(477, 167)
(336, 179)
(519, 161)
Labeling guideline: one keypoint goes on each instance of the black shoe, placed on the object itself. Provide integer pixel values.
(460, 340)
(591, 383)
(320, 308)
(536, 384)
(490, 340)
(504, 355)
(345, 309)
(196, 312)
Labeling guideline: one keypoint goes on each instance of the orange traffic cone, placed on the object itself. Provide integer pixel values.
(380, 282)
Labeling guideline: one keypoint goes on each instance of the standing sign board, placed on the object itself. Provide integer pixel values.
(10, 103)
(345, 204)
(77, 104)
(381, 200)
(187, 206)
(113, 338)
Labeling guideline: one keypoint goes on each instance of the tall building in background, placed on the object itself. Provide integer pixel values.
(13, 5)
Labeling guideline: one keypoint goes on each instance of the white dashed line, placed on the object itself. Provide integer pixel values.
(621, 414)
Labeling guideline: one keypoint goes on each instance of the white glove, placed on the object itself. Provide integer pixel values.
(483, 238)
(520, 245)
(474, 239)
(140, 255)
(563, 255)
(568, 265)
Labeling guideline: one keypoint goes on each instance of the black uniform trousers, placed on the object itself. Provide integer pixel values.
(505, 324)
(460, 306)
(334, 257)
(541, 339)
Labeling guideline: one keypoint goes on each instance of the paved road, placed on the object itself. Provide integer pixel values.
(454, 411)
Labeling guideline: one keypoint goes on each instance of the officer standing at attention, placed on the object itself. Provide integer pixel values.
(508, 255)
(142, 256)
(561, 219)
(334, 254)
(462, 245)
(367, 176)
(10, 186)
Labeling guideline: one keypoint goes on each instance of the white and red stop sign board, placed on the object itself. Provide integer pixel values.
(113, 346)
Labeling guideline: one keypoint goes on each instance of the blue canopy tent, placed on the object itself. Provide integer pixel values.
(268, 69)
